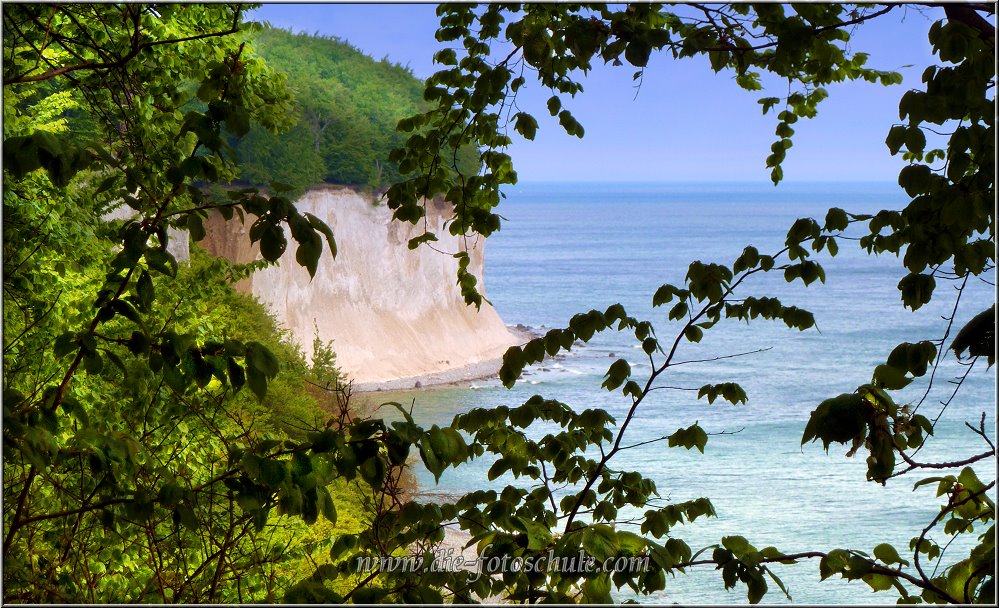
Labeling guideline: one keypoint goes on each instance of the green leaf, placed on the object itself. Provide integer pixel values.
(398, 449)
(426, 237)
(665, 294)
(526, 125)
(272, 242)
(260, 358)
(145, 291)
(237, 377)
(730, 391)
(891, 378)
(430, 459)
(756, 588)
(915, 140)
(618, 372)
(895, 139)
(554, 105)
(257, 381)
(840, 419)
(186, 517)
(538, 534)
(834, 562)
(315, 592)
(917, 289)
(93, 363)
(596, 590)
(836, 219)
(599, 541)
(161, 261)
(887, 554)
(238, 122)
(373, 471)
(448, 445)
(321, 226)
(513, 366)
(65, 344)
(637, 52)
(970, 480)
(195, 226)
(736, 544)
(878, 582)
(125, 309)
(977, 337)
(273, 472)
(690, 437)
(768, 103)
(308, 253)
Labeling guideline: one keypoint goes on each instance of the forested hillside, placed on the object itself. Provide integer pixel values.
(134, 383)
(347, 106)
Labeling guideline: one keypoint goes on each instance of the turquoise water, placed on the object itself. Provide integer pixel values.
(568, 248)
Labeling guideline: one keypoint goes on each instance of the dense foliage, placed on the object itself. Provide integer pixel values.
(137, 465)
(347, 106)
(134, 467)
(945, 234)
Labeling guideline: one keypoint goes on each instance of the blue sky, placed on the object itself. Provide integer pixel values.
(686, 122)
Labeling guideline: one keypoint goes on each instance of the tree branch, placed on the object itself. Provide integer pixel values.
(968, 15)
(135, 49)
(922, 537)
(942, 465)
(77, 511)
(814, 32)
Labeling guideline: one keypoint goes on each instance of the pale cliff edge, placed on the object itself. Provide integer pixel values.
(395, 315)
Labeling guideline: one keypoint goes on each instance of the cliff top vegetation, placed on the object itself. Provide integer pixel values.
(346, 108)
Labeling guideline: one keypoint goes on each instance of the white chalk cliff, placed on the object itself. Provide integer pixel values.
(395, 315)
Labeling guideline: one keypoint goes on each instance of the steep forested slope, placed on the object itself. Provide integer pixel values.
(347, 108)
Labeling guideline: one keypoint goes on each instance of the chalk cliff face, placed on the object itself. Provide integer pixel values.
(394, 314)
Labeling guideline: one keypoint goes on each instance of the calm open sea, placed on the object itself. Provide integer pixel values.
(567, 248)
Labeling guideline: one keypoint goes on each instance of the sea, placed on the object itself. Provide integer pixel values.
(566, 248)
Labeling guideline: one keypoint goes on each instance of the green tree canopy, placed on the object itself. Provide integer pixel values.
(134, 466)
(347, 105)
